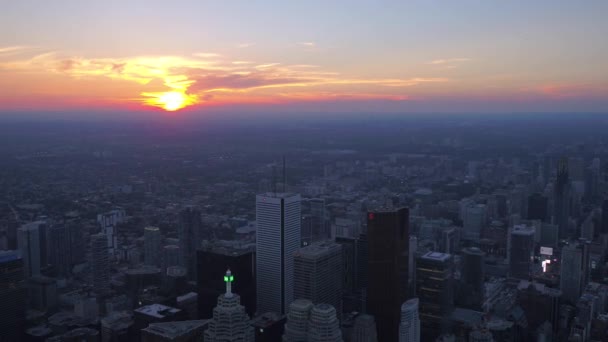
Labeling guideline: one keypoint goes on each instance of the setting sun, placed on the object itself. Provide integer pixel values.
(170, 101)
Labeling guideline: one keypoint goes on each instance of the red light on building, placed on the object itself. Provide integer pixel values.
(370, 216)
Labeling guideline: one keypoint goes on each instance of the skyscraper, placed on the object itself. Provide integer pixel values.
(12, 296)
(562, 199)
(521, 250)
(364, 329)
(472, 274)
(434, 288)
(318, 274)
(604, 228)
(574, 270)
(152, 246)
(388, 240)
(324, 325)
(474, 222)
(409, 328)
(212, 262)
(296, 328)
(60, 249)
(538, 207)
(318, 218)
(277, 238)
(100, 266)
(28, 239)
(230, 322)
(189, 231)
(170, 257)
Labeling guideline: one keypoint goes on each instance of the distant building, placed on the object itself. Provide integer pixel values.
(189, 231)
(435, 291)
(521, 251)
(100, 263)
(387, 273)
(155, 313)
(171, 254)
(30, 247)
(318, 274)
(561, 199)
(152, 251)
(473, 275)
(574, 270)
(313, 323)
(116, 327)
(269, 327)
(409, 327)
(12, 296)
(60, 249)
(230, 322)
(538, 207)
(474, 221)
(277, 237)
(211, 264)
(480, 335)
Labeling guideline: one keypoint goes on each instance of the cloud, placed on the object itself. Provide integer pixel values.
(244, 45)
(206, 55)
(306, 44)
(448, 61)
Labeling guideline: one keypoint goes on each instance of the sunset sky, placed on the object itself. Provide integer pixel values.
(300, 56)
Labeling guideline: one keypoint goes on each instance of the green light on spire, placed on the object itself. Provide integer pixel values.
(226, 279)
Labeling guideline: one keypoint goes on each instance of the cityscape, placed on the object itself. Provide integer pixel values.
(303, 172)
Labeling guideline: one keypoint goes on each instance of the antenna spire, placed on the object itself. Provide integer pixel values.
(228, 279)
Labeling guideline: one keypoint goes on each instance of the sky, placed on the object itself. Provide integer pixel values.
(304, 56)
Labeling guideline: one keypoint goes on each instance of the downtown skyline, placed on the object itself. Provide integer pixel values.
(341, 57)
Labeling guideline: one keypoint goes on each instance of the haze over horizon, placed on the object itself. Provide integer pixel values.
(239, 57)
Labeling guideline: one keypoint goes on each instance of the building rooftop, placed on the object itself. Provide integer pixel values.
(6, 256)
(278, 194)
(173, 330)
(266, 320)
(437, 256)
(318, 249)
(157, 310)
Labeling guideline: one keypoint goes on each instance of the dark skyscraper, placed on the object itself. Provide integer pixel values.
(189, 233)
(60, 249)
(562, 199)
(388, 242)
(604, 228)
(473, 276)
(12, 296)
(212, 264)
(521, 251)
(434, 288)
(537, 207)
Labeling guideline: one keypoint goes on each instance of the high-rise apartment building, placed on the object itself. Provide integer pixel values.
(277, 238)
(387, 273)
(152, 251)
(318, 274)
(100, 263)
(409, 327)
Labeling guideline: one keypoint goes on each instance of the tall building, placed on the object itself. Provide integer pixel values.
(604, 225)
(472, 275)
(170, 257)
(180, 331)
(388, 241)
(364, 329)
(60, 249)
(574, 272)
(152, 246)
(349, 273)
(474, 222)
(277, 238)
(212, 262)
(409, 328)
(538, 207)
(296, 328)
(319, 226)
(189, 231)
(12, 296)
(28, 240)
(434, 288)
(230, 322)
(561, 210)
(318, 274)
(100, 263)
(521, 251)
(324, 325)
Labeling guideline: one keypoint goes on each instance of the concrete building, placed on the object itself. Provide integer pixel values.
(435, 291)
(323, 324)
(318, 274)
(116, 327)
(189, 231)
(296, 328)
(183, 331)
(60, 249)
(473, 276)
(409, 328)
(574, 270)
(171, 255)
(230, 322)
(100, 263)
(277, 238)
(152, 251)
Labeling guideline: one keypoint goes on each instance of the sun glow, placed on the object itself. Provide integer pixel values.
(170, 101)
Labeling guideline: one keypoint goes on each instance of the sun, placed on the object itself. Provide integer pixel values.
(170, 101)
(173, 100)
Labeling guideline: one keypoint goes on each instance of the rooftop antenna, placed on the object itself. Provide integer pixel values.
(274, 179)
(284, 179)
